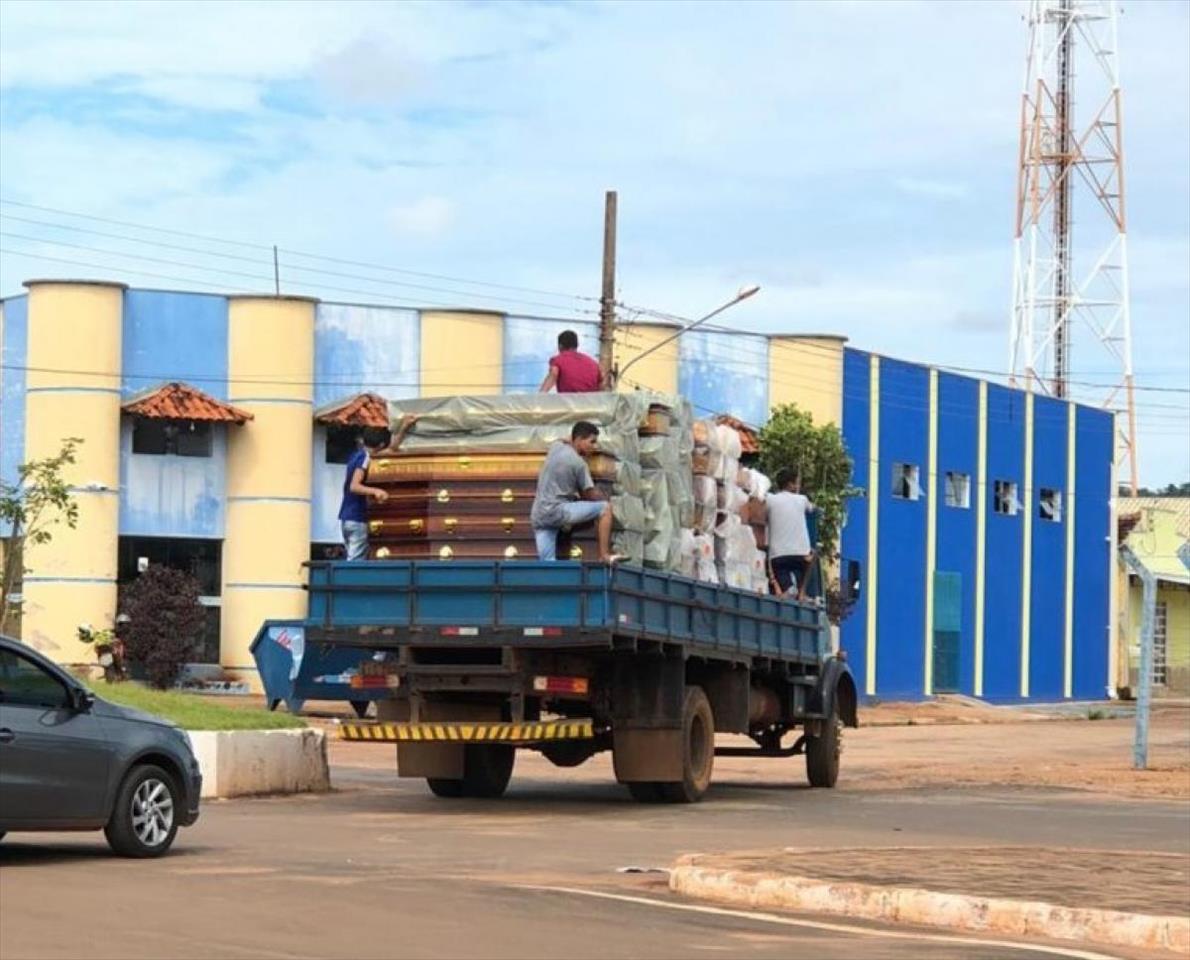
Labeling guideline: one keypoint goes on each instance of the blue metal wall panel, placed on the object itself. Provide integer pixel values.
(857, 382)
(1004, 546)
(14, 354)
(901, 550)
(958, 451)
(170, 496)
(1094, 451)
(359, 349)
(725, 373)
(175, 336)
(1047, 599)
(529, 342)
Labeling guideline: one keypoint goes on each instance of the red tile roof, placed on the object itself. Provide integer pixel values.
(363, 410)
(748, 442)
(180, 401)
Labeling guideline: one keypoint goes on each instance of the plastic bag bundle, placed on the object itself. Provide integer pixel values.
(706, 503)
(688, 562)
(628, 513)
(629, 544)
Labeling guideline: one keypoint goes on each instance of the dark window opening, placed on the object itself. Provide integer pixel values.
(341, 443)
(906, 481)
(1004, 498)
(1049, 506)
(181, 438)
(958, 490)
(327, 551)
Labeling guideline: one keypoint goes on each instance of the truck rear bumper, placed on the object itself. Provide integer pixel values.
(523, 733)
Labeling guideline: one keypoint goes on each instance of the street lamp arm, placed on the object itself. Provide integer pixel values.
(744, 294)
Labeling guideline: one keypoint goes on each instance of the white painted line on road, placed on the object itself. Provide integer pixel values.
(820, 925)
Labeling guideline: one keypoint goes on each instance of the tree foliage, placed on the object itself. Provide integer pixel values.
(165, 622)
(40, 499)
(790, 440)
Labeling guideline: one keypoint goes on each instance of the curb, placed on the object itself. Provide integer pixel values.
(954, 911)
(237, 763)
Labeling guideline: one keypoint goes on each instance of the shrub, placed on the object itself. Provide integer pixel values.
(165, 622)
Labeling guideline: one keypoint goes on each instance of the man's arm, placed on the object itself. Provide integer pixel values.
(587, 488)
(394, 444)
(550, 381)
(361, 489)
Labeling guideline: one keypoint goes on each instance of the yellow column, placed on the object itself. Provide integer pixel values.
(659, 370)
(931, 532)
(874, 468)
(462, 352)
(808, 371)
(73, 390)
(981, 533)
(1068, 519)
(1027, 550)
(270, 365)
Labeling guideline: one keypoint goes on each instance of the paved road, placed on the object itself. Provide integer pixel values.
(382, 869)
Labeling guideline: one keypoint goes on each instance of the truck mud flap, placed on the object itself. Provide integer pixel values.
(513, 733)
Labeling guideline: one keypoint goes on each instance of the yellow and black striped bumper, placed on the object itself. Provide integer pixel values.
(468, 732)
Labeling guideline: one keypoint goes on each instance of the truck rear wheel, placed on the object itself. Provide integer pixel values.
(822, 752)
(698, 751)
(487, 769)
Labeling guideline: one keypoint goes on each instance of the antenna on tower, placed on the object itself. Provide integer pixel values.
(1063, 280)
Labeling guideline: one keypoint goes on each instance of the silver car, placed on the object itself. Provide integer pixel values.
(72, 761)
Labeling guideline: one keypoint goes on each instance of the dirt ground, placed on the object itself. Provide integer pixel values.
(1127, 880)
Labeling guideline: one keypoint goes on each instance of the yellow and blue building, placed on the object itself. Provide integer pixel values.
(984, 529)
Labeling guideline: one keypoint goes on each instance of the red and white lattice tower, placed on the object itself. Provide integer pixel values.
(1070, 263)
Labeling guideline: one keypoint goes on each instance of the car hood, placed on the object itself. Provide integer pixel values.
(115, 711)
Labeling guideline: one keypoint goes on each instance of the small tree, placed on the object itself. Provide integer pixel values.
(165, 622)
(38, 501)
(790, 440)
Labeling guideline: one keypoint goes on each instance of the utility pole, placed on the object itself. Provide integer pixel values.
(276, 273)
(607, 300)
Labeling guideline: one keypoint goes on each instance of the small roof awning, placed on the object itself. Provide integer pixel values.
(748, 441)
(362, 410)
(180, 401)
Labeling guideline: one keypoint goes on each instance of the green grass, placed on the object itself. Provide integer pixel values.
(192, 712)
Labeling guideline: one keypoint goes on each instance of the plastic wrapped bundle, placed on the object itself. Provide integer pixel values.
(706, 503)
(628, 513)
(706, 456)
(477, 415)
(704, 558)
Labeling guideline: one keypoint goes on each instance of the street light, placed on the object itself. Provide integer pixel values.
(744, 294)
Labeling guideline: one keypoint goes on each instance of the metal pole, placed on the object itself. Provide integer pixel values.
(607, 301)
(1140, 743)
(276, 273)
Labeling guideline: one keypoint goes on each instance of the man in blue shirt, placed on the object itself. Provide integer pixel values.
(353, 514)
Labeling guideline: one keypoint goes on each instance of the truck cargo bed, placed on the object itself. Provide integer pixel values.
(384, 604)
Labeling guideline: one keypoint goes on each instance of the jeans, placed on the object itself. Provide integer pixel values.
(355, 539)
(580, 511)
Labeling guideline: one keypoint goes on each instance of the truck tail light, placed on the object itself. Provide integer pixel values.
(579, 685)
(543, 631)
(460, 631)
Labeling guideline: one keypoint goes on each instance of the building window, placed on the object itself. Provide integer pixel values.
(1004, 498)
(906, 481)
(181, 438)
(1160, 648)
(958, 490)
(202, 559)
(1049, 506)
(341, 443)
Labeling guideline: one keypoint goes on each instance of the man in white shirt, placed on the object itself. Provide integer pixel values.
(790, 550)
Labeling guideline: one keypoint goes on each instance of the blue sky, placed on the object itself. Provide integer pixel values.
(855, 159)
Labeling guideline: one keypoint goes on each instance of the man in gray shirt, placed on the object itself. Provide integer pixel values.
(567, 496)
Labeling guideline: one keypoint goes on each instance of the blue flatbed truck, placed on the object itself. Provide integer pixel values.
(469, 661)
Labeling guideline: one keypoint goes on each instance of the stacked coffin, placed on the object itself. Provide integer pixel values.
(464, 482)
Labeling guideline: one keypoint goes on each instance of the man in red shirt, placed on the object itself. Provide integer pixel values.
(572, 371)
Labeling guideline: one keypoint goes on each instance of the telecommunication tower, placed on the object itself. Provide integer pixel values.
(1071, 175)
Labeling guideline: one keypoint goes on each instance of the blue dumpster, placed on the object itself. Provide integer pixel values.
(293, 672)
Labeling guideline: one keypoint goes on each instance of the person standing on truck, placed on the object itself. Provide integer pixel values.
(572, 371)
(790, 550)
(567, 496)
(353, 512)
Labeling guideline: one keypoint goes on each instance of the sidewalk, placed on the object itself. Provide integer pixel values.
(1120, 898)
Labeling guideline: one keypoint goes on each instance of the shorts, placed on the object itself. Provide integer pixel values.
(355, 538)
(790, 572)
(580, 511)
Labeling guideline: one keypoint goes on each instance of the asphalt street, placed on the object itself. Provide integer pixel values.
(380, 868)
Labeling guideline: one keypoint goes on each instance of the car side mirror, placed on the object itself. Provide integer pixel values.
(81, 699)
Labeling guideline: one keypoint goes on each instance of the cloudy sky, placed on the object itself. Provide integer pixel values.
(855, 159)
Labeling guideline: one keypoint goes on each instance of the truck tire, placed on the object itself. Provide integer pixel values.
(822, 752)
(487, 768)
(698, 750)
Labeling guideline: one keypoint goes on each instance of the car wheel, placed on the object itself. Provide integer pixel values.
(144, 820)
